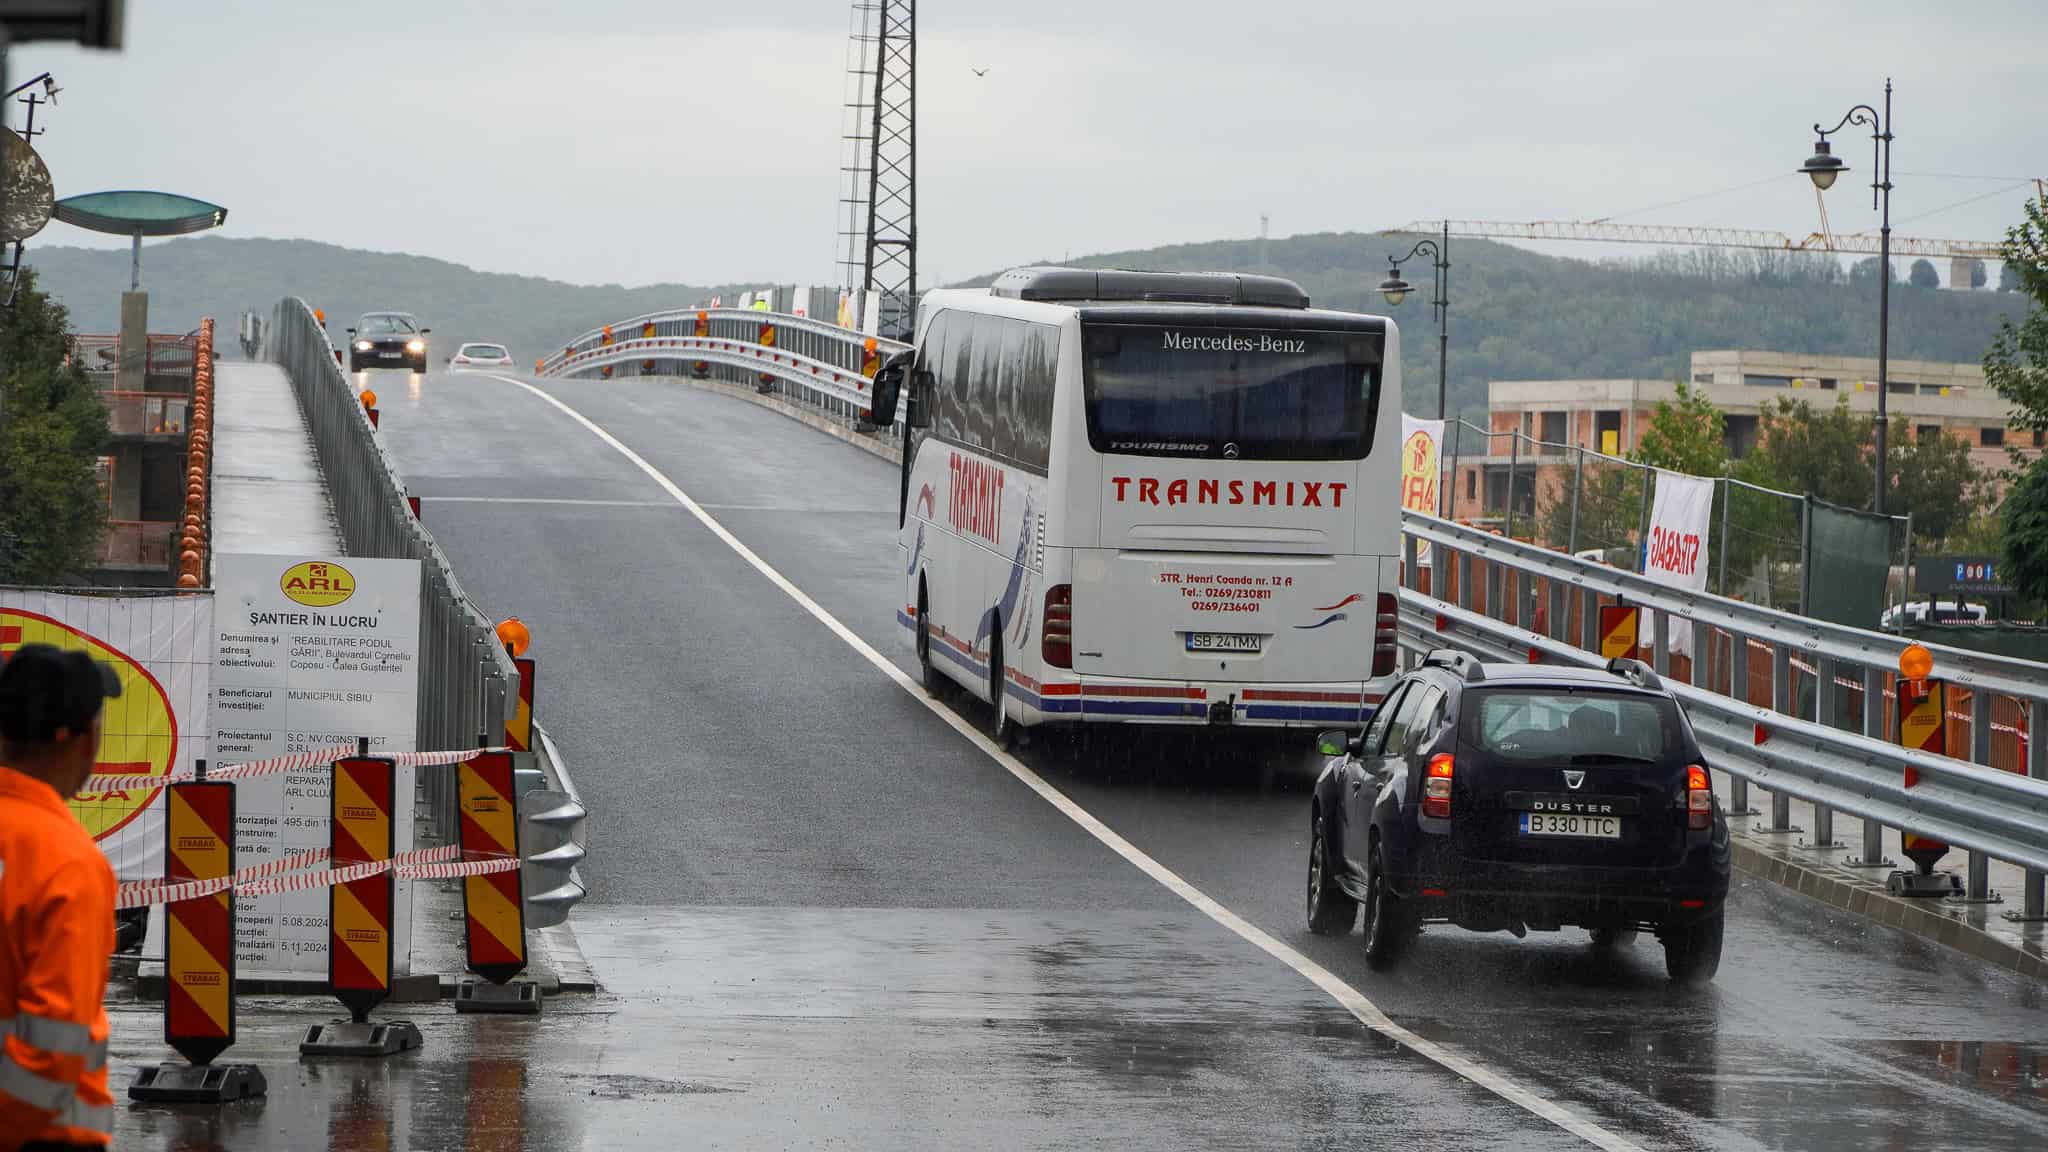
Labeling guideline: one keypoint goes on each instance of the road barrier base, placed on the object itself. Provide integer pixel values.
(1935, 885)
(514, 998)
(176, 1082)
(370, 1038)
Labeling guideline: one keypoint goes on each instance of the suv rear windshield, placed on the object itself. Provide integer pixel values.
(486, 351)
(1557, 725)
(1244, 393)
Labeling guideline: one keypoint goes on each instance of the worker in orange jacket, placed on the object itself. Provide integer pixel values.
(56, 906)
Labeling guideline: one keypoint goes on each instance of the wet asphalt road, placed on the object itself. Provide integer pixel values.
(793, 856)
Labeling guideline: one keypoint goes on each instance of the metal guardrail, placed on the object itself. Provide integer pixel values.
(1991, 813)
(815, 362)
(464, 674)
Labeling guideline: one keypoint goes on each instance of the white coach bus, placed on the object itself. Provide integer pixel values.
(1150, 497)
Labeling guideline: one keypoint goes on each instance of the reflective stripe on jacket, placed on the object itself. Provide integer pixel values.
(56, 934)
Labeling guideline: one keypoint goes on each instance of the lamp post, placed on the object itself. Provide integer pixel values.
(1823, 166)
(1396, 290)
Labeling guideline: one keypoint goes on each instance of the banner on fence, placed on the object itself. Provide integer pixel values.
(312, 652)
(1421, 470)
(161, 646)
(1675, 549)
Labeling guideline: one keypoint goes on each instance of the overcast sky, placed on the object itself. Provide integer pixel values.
(641, 140)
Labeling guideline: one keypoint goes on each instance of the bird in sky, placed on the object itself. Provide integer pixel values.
(978, 71)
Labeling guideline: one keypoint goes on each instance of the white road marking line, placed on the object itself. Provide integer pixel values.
(1344, 994)
(545, 500)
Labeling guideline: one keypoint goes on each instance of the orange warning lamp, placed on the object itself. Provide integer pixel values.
(1916, 662)
(369, 398)
(320, 316)
(513, 635)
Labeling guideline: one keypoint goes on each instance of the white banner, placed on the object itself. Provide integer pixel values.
(312, 651)
(1675, 553)
(162, 649)
(1421, 470)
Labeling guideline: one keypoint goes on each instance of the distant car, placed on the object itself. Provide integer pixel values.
(481, 356)
(1512, 797)
(387, 340)
(1936, 612)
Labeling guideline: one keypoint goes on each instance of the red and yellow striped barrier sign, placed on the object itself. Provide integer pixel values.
(519, 729)
(647, 330)
(767, 341)
(870, 358)
(1620, 630)
(1923, 727)
(359, 911)
(199, 934)
(493, 904)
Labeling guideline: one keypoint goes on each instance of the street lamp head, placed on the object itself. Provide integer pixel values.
(1823, 166)
(1395, 289)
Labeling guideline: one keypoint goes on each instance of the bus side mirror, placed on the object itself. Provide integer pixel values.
(887, 388)
(918, 412)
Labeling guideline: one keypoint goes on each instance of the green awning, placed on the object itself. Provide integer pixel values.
(130, 213)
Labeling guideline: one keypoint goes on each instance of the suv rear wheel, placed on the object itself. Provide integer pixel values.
(1388, 924)
(1692, 951)
(1330, 911)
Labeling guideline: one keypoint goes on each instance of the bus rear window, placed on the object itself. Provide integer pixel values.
(1230, 393)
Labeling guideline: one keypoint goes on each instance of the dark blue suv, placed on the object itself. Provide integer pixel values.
(1511, 797)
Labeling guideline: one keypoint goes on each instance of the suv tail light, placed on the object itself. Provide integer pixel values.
(1056, 644)
(1699, 799)
(1436, 787)
(1386, 630)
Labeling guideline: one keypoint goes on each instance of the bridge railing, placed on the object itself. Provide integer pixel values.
(1799, 707)
(464, 673)
(812, 362)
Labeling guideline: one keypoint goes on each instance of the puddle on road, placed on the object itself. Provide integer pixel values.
(2015, 1071)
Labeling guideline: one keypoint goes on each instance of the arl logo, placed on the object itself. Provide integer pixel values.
(317, 584)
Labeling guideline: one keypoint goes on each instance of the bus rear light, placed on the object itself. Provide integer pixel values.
(1699, 799)
(1056, 643)
(1386, 635)
(1436, 787)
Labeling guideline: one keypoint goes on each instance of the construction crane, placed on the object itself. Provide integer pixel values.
(1850, 243)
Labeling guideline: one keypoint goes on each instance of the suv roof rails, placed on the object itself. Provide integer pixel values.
(1636, 672)
(1463, 663)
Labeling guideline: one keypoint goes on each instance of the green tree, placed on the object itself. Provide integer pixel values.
(1931, 479)
(2017, 366)
(52, 428)
(1923, 275)
(1685, 435)
(1821, 453)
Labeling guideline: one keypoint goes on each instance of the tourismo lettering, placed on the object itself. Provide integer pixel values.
(1675, 552)
(977, 502)
(1231, 342)
(1258, 493)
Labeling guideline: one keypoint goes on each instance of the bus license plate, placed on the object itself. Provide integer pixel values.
(1224, 641)
(1557, 824)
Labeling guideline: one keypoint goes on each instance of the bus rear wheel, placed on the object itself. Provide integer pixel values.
(927, 674)
(999, 717)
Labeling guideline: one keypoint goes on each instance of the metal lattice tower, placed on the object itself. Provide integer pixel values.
(889, 270)
(852, 255)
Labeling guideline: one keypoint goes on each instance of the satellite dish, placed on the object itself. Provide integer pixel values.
(28, 196)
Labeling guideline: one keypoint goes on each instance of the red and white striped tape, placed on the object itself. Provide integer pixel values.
(292, 762)
(142, 893)
(287, 875)
(461, 868)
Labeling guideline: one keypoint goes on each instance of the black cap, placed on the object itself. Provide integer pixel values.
(44, 689)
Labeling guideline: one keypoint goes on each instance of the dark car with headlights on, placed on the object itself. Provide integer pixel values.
(1518, 798)
(387, 340)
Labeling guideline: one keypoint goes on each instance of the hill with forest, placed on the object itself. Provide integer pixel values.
(1523, 315)
(1515, 314)
(221, 277)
